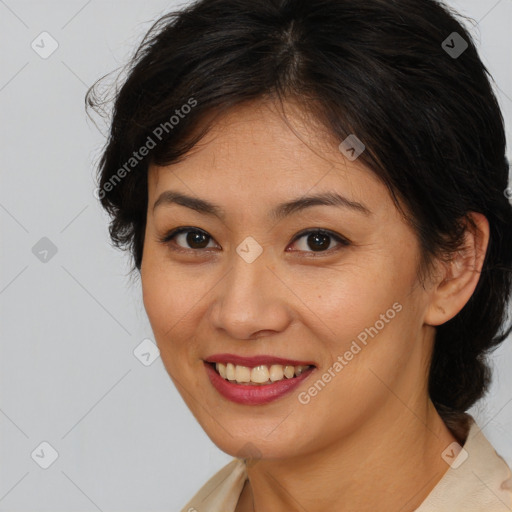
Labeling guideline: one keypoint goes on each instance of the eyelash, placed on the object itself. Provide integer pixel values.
(168, 238)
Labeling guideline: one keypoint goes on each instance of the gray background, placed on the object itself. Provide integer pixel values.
(125, 440)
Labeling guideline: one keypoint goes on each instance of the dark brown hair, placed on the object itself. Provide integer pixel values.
(393, 73)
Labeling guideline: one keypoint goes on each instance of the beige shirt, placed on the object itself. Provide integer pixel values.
(478, 480)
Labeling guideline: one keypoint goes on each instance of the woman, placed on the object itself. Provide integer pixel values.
(314, 194)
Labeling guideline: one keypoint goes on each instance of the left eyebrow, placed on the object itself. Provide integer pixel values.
(279, 212)
(326, 199)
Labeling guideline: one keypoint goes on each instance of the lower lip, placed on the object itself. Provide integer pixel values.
(257, 394)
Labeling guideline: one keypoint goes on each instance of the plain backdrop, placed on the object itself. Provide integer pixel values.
(71, 319)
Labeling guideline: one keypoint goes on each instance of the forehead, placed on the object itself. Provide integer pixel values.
(259, 153)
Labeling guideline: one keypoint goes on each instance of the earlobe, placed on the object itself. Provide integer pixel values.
(462, 272)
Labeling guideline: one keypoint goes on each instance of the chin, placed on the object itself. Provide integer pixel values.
(267, 439)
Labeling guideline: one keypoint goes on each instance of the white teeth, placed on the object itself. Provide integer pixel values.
(289, 372)
(276, 372)
(221, 368)
(242, 374)
(261, 374)
(230, 371)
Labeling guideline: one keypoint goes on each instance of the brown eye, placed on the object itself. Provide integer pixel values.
(187, 238)
(196, 239)
(319, 240)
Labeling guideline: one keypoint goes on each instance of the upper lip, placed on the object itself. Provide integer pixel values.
(253, 361)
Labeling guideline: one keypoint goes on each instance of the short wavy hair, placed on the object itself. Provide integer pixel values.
(390, 71)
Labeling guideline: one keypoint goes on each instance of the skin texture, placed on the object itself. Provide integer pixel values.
(371, 438)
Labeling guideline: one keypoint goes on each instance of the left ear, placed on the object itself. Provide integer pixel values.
(461, 274)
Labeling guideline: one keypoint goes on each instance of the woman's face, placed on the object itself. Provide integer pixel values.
(245, 282)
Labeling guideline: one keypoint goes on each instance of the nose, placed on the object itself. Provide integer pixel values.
(251, 300)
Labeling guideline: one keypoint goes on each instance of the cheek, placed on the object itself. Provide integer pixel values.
(364, 365)
(173, 299)
(164, 290)
(344, 302)
(366, 318)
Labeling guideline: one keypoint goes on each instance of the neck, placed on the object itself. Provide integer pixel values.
(390, 463)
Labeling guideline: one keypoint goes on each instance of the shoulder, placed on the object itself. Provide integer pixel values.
(222, 491)
(478, 479)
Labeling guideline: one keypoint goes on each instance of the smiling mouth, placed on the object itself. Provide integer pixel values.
(261, 375)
